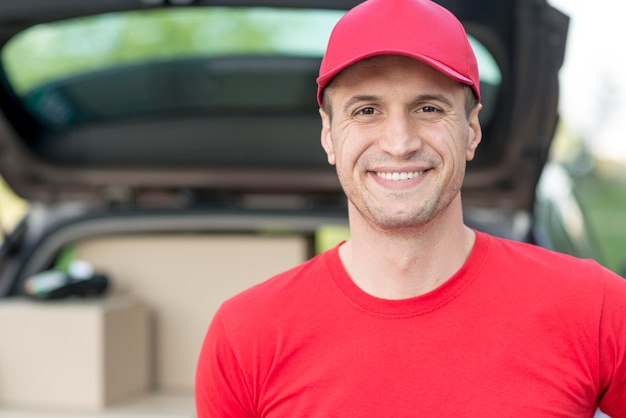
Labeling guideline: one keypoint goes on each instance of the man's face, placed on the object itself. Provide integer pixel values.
(399, 137)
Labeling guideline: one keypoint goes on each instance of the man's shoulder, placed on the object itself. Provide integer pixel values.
(545, 267)
(516, 251)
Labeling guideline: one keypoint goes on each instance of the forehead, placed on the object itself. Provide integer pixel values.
(388, 70)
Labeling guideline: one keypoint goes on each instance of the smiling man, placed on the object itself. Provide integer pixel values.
(416, 314)
(400, 134)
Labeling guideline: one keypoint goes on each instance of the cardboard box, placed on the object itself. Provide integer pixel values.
(73, 354)
(183, 279)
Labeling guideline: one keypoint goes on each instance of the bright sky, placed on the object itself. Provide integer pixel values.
(593, 77)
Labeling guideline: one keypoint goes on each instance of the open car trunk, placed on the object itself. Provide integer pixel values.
(186, 179)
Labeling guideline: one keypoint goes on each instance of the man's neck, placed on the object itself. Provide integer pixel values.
(402, 264)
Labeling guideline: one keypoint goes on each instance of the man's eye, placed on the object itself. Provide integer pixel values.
(428, 109)
(366, 111)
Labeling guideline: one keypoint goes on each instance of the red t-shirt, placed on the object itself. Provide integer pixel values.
(518, 331)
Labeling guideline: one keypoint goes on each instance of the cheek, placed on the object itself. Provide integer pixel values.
(349, 146)
(446, 142)
(352, 154)
(460, 145)
(452, 151)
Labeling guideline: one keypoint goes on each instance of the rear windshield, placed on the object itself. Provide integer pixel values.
(53, 51)
(63, 69)
(228, 85)
(41, 60)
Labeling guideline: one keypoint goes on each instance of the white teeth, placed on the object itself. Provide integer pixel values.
(399, 176)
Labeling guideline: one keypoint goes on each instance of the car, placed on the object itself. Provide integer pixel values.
(169, 151)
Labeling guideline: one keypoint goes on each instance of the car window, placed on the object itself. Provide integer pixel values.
(209, 65)
(47, 53)
(166, 61)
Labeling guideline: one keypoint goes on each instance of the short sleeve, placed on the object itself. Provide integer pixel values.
(220, 389)
(613, 347)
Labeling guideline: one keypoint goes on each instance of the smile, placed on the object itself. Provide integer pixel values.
(406, 175)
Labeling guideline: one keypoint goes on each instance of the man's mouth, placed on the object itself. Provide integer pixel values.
(399, 176)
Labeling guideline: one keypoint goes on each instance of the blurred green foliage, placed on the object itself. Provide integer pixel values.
(604, 201)
(55, 50)
(12, 208)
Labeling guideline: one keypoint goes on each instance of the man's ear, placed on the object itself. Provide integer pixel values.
(326, 138)
(475, 133)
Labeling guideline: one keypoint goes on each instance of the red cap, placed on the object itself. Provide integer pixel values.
(419, 29)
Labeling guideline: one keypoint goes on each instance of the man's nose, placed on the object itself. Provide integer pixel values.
(400, 137)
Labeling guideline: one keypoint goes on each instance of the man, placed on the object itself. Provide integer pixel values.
(415, 315)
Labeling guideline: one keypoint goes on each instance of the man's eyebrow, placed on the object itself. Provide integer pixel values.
(434, 97)
(373, 98)
(358, 99)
